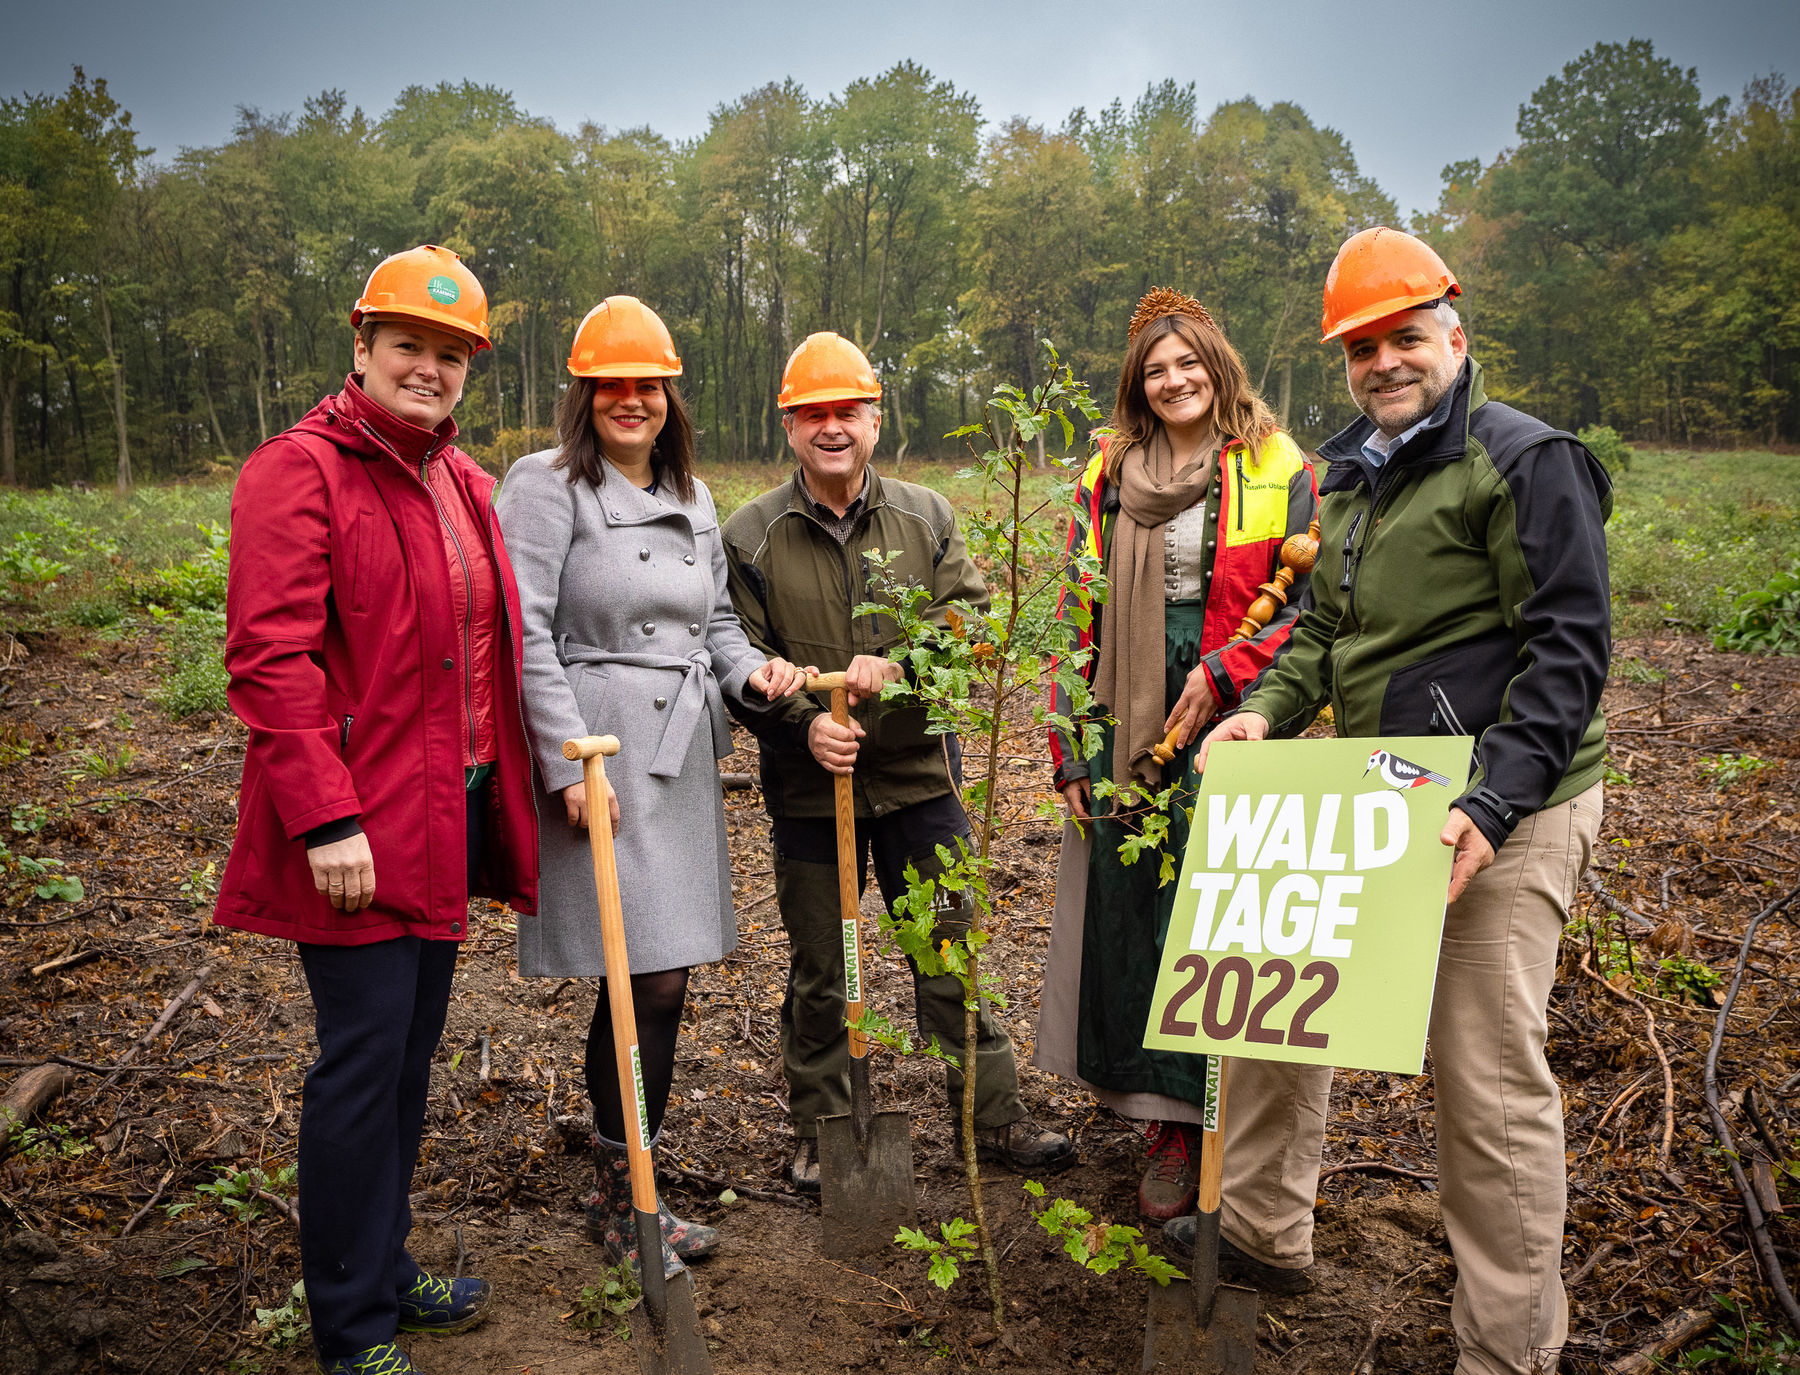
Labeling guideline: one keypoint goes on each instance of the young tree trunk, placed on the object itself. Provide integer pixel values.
(211, 413)
(9, 400)
(118, 391)
(1286, 391)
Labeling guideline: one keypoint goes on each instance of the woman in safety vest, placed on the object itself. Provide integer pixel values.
(387, 778)
(1185, 509)
(629, 631)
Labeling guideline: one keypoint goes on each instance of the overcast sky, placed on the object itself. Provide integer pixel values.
(1413, 87)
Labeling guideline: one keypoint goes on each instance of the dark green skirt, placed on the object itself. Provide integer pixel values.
(1128, 914)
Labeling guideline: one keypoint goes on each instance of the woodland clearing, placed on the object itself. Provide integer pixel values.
(102, 778)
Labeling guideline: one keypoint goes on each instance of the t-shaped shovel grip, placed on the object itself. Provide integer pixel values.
(849, 898)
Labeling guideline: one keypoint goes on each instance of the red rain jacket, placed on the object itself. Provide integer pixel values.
(360, 680)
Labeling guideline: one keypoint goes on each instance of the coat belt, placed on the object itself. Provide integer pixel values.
(698, 697)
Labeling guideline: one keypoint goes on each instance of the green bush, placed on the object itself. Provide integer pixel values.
(196, 583)
(1766, 621)
(1609, 446)
(197, 679)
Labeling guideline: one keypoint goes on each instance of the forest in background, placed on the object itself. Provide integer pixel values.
(1633, 260)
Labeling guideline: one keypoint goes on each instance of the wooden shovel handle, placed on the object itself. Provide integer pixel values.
(849, 898)
(593, 751)
(825, 682)
(1212, 1152)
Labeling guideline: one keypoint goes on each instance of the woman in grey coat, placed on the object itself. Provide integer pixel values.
(629, 631)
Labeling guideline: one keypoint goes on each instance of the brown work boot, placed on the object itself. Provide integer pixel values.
(803, 1172)
(1235, 1267)
(1025, 1148)
(1170, 1175)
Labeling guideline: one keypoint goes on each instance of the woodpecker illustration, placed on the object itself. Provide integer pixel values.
(1402, 773)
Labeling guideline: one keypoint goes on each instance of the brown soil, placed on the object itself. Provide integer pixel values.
(497, 1181)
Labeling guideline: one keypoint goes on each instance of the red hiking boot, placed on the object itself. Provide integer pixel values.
(1171, 1174)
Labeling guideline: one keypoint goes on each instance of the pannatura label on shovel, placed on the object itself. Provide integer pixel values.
(852, 964)
(637, 1093)
(1209, 1116)
(1311, 905)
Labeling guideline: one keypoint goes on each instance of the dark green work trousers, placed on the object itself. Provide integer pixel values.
(815, 1045)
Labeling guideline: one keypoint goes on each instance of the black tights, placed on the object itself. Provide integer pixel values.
(657, 999)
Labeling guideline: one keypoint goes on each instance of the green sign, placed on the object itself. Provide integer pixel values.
(1311, 904)
(443, 291)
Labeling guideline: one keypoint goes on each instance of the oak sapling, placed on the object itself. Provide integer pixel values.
(1099, 1246)
(969, 666)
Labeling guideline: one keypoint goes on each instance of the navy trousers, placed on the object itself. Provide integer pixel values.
(379, 1010)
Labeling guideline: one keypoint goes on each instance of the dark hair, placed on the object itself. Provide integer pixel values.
(671, 456)
(1237, 411)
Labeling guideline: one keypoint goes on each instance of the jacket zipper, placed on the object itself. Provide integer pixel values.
(1240, 496)
(493, 529)
(468, 634)
(344, 732)
(462, 560)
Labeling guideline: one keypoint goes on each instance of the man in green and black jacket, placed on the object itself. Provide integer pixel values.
(799, 566)
(1460, 588)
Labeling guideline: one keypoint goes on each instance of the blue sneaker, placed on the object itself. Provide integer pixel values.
(386, 1359)
(443, 1306)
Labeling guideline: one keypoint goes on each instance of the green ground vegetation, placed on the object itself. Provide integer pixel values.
(1691, 534)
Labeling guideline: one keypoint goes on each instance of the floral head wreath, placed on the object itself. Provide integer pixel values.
(1160, 301)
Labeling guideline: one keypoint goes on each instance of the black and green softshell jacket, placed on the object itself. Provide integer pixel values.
(1467, 571)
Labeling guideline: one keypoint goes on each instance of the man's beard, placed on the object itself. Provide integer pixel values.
(1432, 387)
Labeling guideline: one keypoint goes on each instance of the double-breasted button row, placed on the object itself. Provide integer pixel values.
(660, 703)
(694, 629)
(649, 627)
(644, 554)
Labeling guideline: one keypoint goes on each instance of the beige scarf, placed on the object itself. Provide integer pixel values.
(1131, 675)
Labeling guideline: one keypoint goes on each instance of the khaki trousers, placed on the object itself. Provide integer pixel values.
(1501, 1173)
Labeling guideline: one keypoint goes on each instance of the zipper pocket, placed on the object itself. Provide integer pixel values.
(1442, 710)
(1240, 496)
(1350, 554)
(344, 732)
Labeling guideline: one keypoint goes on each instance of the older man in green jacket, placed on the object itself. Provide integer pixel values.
(799, 567)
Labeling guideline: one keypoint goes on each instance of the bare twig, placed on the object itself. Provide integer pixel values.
(1759, 1232)
(281, 1205)
(1375, 1167)
(1365, 1359)
(144, 1212)
(174, 1005)
(1674, 1334)
(1592, 1263)
(1668, 1134)
(717, 1184)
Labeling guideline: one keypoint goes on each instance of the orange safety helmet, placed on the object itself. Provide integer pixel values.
(827, 367)
(430, 285)
(623, 337)
(1378, 273)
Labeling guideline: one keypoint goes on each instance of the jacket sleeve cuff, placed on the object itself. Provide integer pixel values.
(1493, 815)
(341, 829)
(1070, 771)
(1224, 691)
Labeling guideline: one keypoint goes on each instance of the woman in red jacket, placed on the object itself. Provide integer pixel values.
(369, 640)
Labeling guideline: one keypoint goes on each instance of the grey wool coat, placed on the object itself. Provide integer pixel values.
(628, 631)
